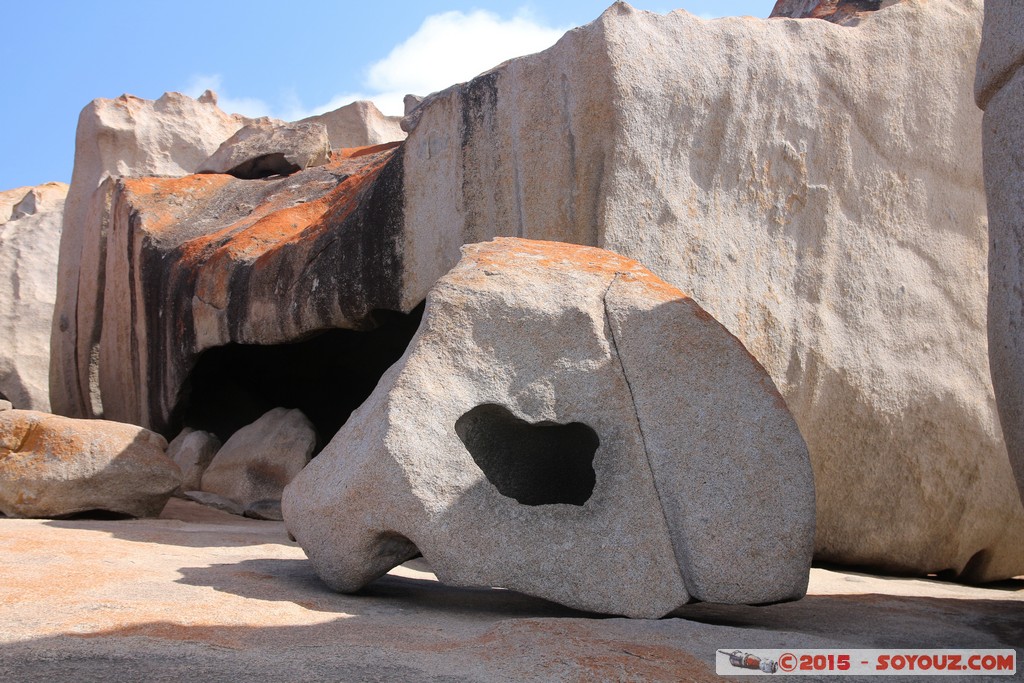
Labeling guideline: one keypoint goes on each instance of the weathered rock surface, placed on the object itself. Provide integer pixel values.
(267, 148)
(535, 437)
(223, 260)
(192, 451)
(410, 102)
(359, 124)
(753, 165)
(743, 160)
(842, 12)
(200, 593)
(6, 405)
(127, 136)
(999, 90)
(53, 466)
(259, 460)
(30, 223)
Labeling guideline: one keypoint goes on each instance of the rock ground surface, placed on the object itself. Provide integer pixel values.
(203, 595)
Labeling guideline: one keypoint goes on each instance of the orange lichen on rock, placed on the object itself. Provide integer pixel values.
(571, 257)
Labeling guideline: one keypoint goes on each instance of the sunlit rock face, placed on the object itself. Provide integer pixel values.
(818, 189)
(30, 223)
(815, 187)
(999, 90)
(567, 425)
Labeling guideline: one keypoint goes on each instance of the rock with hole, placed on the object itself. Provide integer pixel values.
(267, 148)
(53, 466)
(567, 425)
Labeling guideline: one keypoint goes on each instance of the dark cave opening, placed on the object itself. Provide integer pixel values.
(536, 464)
(326, 376)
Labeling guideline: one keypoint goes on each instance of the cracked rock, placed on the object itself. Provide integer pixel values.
(567, 425)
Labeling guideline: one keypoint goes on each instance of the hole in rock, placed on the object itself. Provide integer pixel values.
(536, 464)
(326, 376)
(265, 166)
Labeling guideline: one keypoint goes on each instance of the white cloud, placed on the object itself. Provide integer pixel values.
(447, 48)
(453, 47)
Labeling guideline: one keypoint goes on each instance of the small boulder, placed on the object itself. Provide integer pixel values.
(266, 148)
(193, 451)
(567, 425)
(6, 405)
(52, 466)
(259, 460)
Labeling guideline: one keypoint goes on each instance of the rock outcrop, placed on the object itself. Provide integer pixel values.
(755, 165)
(210, 260)
(53, 466)
(773, 169)
(999, 90)
(533, 437)
(262, 458)
(359, 124)
(127, 136)
(267, 148)
(842, 12)
(30, 224)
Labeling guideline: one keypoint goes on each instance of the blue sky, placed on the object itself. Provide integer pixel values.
(281, 59)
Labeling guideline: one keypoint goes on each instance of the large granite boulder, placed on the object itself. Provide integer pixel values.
(53, 466)
(567, 425)
(127, 136)
(817, 189)
(359, 124)
(260, 459)
(30, 224)
(999, 90)
(813, 186)
(266, 148)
